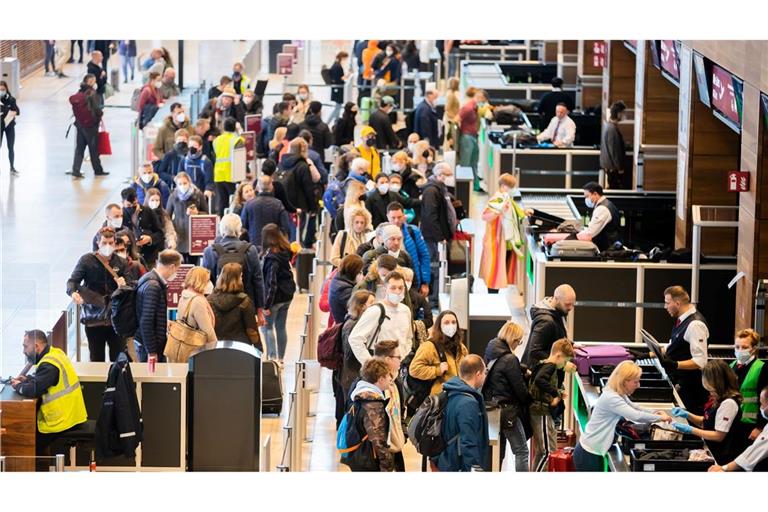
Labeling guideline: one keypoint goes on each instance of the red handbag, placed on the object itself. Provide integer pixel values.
(104, 145)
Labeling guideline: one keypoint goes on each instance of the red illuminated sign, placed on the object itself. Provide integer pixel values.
(598, 54)
(669, 58)
(723, 94)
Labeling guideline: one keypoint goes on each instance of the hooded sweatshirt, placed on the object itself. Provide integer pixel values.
(300, 187)
(547, 326)
(321, 134)
(375, 421)
(235, 313)
(370, 153)
(368, 55)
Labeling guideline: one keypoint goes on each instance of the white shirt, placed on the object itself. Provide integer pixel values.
(696, 335)
(725, 415)
(565, 131)
(396, 326)
(601, 216)
(609, 409)
(757, 452)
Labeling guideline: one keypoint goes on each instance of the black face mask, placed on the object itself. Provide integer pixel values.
(181, 148)
(370, 142)
(425, 154)
(193, 151)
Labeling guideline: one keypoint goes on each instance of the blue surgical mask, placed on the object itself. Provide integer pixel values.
(588, 202)
(764, 414)
(742, 356)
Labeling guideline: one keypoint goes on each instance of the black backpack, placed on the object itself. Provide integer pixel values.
(123, 311)
(235, 253)
(417, 390)
(426, 428)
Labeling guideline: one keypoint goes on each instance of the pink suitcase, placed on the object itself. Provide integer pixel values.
(599, 355)
(551, 238)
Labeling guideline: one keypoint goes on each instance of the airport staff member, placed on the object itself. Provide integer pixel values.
(548, 103)
(561, 131)
(603, 227)
(752, 374)
(61, 405)
(686, 353)
(754, 458)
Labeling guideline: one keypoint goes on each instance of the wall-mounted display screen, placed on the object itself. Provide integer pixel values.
(669, 55)
(702, 83)
(727, 97)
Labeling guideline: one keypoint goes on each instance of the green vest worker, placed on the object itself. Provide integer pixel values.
(753, 376)
(55, 383)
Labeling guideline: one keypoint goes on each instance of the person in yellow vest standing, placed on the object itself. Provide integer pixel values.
(60, 406)
(752, 374)
(223, 176)
(368, 150)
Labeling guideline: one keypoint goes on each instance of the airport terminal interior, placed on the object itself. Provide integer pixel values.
(408, 255)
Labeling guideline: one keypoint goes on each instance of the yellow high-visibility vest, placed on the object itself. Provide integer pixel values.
(62, 405)
(224, 148)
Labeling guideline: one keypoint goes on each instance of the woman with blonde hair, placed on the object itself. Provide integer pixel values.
(613, 405)
(193, 306)
(353, 200)
(503, 239)
(450, 119)
(348, 240)
(505, 385)
(277, 143)
(422, 158)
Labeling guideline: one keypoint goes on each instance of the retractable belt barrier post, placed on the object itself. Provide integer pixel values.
(443, 278)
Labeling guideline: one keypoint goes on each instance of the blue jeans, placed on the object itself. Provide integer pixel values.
(278, 316)
(127, 63)
(585, 461)
(142, 355)
(519, 445)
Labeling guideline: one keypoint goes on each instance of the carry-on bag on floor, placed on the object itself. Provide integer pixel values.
(271, 387)
(561, 460)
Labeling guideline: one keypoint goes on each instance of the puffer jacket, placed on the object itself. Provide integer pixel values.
(465, 429)
(417, 249)
(141, 189)
(152, 313)
(300, 187)
(262, 210)
(547, 326)
(279, 285)
(235, 317)
(339, 292)
(505, 383)
(375, 421)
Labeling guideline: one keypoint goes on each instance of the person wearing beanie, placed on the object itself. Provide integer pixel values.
(368, 151)
(313, 122)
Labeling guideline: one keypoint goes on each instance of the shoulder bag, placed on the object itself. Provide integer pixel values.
(183, 339)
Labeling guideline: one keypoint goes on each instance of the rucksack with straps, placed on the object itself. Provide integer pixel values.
(329, 350)
(236, 253)
(135, 97)
(417, 390)
(352, 442)
(425, 429)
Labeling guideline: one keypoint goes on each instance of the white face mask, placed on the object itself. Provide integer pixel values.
(397, 167)
(154, 204)
(395, 298)
(3, 93)
(395, 187)
(248, 100)
(588, 201)
(449, 329)
(389, 53)
(450, 181)
(411, 145)
(394, 254)
(303, 97)
(146, 178)
(183, 189)
(208, 288)
(106, 250)
(742, 356)
(181, 117)
(122, 254)
(383, 188)
(116, 223)
(158, 84)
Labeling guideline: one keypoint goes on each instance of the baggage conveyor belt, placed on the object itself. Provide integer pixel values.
(559, 205)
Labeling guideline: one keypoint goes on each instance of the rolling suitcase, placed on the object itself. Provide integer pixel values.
(271, 388)
(561, 460)
(599, 355)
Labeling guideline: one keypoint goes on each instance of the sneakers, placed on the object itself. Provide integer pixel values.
(50, 73)
(480, 190)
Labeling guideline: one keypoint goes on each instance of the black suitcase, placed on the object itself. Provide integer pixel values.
(271, 388)
(304, 268)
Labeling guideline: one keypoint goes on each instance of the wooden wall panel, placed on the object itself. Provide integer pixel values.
(660, 175)
(30, 53)
(588, 58)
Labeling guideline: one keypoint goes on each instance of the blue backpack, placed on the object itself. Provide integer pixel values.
(352, 442)
(333, 197)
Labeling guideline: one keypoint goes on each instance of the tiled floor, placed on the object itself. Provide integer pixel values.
(47, 222)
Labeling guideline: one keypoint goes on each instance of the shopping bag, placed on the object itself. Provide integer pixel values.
(105, 147)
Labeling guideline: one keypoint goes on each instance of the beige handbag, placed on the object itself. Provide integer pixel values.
(183, 339)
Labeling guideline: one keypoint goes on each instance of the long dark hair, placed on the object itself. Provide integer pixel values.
(4, 84)
(722, 379)
(450, 344)
(273, 238)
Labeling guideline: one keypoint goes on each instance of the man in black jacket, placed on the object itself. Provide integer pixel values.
(95, 277)
(321, 134)
(95, 68)
(548, 324)
(613, 150)
(438, 218)
(381, 122)
(152, 309)
(378, 199)
(295, 173)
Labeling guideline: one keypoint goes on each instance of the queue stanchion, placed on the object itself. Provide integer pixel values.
(266, 455)
(442, 267)
(301, 418)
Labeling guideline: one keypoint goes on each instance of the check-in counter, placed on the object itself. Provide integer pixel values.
(162, 397)
(615, 300)
(494, 78)
(487, 313)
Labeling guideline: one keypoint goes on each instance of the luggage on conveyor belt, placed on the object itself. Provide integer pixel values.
(665, 460)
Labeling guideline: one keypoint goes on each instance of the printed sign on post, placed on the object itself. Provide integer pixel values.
(176, 286)
(253, 123)
(285, 64)
(598, 54)
(738, 181)
(250, 146)
(202, 232)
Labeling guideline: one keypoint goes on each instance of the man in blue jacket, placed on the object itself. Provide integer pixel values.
(425, 119)
(152, 307)
(465, 423)
(415, 246)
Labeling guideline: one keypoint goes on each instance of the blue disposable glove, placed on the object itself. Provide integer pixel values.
(682, 427)
(679, 412)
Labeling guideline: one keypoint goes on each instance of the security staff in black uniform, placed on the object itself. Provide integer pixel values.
(603, 227)
(686, 353)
